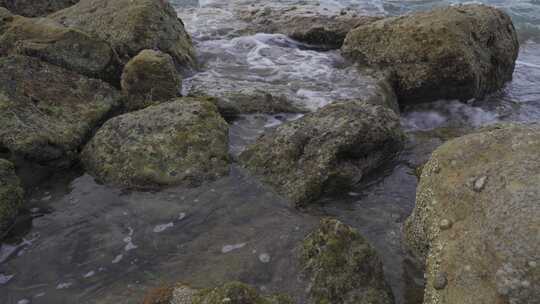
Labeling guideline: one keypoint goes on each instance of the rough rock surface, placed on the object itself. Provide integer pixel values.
(183, 141)
(148, 78)
(325, 150)
(307, 24)
(342, 267)
(131, 26)
(457, 52)
(476, 223)
(47, 112)
(232, 292)
(66, 47)
(34, 8)
(11, 194)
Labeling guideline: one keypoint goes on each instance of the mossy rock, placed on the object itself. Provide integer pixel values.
(325, 151)
(476, 223)
(342, 267)
(131, 26)
(35, 8)
(148, 78)
(47, 113)
(183, 141)
(56, 44)
(458, 52)
(11, 194)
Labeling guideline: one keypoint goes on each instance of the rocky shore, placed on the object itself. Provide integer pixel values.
(98, 83)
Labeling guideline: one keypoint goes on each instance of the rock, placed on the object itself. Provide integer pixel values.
(230, 293)
(47, 112)
(184, 141)
(148, 78)
(342, 267)
(323, 151)
(131, 26)
(65, 47)
(34, 8)
(307, 24)
(458, 52)
(478, 246)
(11, 195)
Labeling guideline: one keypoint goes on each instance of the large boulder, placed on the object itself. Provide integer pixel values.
(131, 26)
(11, 194)
(56, 44)
(183, 141)
(34, 8)
(330, 149)
(457, 52)
(148, 78)
(231, 293)
(47, 112)
(476, 224)
(308, 24)
(342, 267)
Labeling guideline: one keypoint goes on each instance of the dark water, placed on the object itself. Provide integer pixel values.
(80, 242)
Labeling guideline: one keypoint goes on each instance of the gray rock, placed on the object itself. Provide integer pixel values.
(183, 141)
(330, 149)
(34, 8)
(342, 267)
(457, 52)
(47, 112)
(11, 194)
(490, 251)
(131, 26)
(148, 78)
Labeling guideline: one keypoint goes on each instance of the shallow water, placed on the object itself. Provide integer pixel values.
(80, 242)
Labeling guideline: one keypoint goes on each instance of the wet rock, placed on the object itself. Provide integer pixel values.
(148, 78)
(330, 149)
(183, 141)
(342, 266)
(11, 194)
(34, 8)
(486, 252)
(458, 52)
(230, 293)
(131, 26)
(47, 112)
(65, 47)
(307, 24)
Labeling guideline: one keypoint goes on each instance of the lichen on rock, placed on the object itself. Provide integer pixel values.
(11, 194)
(35, 8)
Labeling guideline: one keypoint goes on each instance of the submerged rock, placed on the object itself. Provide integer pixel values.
(231, 293)
(148, 78)
(307, 24)
(47, 112)
(477, 218)
(183, 141)
(457, 52)
(342, 267)
(66, 47)
(11, 194)
(323, 151)
(131, 26)
(34, 8)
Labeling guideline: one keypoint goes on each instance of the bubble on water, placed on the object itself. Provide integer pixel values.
(129, 241)
(229, 248)
(264, 258)
(163, 227)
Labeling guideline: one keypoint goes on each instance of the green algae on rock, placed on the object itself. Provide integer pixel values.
(457, 52)
(183, 141)
(131, 26)
(35, 8)
(148, 78)
(342, 267)
(47, 112)
(330, 149)
(11, 194)
(476, 224)
(56, 44)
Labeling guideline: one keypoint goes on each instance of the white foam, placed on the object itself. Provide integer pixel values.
(163, 227)
(229, 248)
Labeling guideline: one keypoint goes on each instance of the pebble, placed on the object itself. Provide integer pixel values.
(440, 281)
(445, 224)
(264, 258)
(480, 183)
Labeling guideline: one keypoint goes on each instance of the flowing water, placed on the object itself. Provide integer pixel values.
(81, 242)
